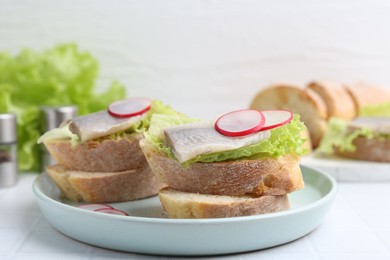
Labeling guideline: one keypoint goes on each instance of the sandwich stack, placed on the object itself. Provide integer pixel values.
(98, 156)
(238, 166)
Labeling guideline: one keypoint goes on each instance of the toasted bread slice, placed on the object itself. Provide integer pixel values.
(270, 176)
(178, 204)
(305, 102)
(104, 187)
(99, 155)
(337, 99)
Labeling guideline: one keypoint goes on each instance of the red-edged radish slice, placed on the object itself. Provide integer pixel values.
(95, 206)
(129, 107)
(276, 118)
(240, 122)
(112, 211)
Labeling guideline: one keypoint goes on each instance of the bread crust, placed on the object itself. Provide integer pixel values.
(338, 101)
(364, 94)
(303, 101)
(105, 187)
(235, 178)
(101, 155)
(179, 204)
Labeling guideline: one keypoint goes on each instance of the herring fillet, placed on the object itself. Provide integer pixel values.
(100, 124)
(191, 140)
(380, 125)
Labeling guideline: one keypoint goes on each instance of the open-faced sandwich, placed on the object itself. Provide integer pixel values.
(367, 135)
(98, 155)
(364, 138)
(243, 164)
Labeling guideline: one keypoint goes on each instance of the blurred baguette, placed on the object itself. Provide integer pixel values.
(303, 101)
(338, 101)
(364, 94)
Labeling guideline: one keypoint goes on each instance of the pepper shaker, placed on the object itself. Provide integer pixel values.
(52, 117)
(8, 150)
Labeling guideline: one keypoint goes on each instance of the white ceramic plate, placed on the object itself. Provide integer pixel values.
(348, 170)
(147, 230)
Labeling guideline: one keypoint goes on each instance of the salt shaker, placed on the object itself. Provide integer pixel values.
(8, 150)
(52, 117)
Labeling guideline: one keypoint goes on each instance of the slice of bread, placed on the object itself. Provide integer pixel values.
(303, 101)
(364, 94)
(337, 99)
(269, 176)
(98, 155)
(178, 204)
(105, 187)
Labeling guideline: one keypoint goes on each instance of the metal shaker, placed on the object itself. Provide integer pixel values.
(8, 150)
(52, 117)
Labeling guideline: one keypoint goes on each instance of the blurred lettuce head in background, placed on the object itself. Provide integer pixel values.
(62, 75)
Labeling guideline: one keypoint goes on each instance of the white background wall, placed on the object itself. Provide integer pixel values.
(206, 57)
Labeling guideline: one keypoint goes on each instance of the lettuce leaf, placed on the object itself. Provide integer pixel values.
(376, 110)
(58, 76)
(338, 136)
(157, 107)
(283, 140)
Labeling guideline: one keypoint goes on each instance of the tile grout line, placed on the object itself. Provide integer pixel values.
(312, 248)
(368, 228)
(23, 237)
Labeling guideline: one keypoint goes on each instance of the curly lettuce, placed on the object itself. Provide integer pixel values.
(57, 76)
(338, 136)
(286, 139)
(382, 109)
(157, 107)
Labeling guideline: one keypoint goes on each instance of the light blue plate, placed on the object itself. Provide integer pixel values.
(147, 230)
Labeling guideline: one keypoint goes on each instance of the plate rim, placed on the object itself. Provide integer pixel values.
(329, 196)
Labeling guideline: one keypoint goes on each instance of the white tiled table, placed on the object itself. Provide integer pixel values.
(357, 227)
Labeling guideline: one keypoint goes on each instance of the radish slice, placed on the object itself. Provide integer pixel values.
(129, 107)
(276, 118)
(94, 207)
(240, 122)
(112, 211)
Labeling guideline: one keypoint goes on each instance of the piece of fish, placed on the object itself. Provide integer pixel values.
(190, 140)
(100, 124)
(379, 125)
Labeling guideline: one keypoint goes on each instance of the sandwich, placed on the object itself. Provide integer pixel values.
(98, 157)
(364, 138)
(244, 163)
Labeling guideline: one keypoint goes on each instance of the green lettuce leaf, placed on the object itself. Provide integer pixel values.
(283, 140)
(375, 110)
(157, 107)
(338, 136)
(62, 75)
